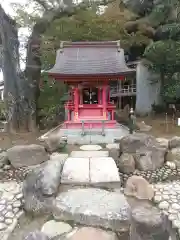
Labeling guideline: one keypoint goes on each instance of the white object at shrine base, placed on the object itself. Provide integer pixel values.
(90, 147)
(178, 121)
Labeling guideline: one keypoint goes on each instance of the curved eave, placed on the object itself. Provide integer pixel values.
(75, 77)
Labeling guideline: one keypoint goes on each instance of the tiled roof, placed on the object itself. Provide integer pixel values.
(90, 58)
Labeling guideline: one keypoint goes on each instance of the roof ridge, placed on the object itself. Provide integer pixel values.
(91, 43)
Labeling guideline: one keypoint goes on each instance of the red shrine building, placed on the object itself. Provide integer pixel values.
(88, 68)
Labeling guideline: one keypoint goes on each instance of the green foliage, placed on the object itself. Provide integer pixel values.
(171, 31)
(172, 88)
(88, 25)
(158, 108)
(51, 96)
(159, 14)
(2, 110)
(163, 56)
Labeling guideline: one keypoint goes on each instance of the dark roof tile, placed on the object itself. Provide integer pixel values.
(90, 58)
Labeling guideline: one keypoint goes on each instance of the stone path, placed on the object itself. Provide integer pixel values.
(100, 166)
(93, 207)
(10, 207)
(167, 197)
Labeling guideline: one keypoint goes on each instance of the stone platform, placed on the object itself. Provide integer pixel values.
(92, 168)
(89, 136)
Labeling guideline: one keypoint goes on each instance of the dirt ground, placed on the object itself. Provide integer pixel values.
(9, 140)
(162, 126)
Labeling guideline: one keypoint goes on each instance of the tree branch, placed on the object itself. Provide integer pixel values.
(44, 4)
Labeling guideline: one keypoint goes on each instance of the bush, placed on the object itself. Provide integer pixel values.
(158, 108)
(2, 111)
(51, 103)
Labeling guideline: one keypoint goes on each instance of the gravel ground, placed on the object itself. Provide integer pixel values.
(13, 174)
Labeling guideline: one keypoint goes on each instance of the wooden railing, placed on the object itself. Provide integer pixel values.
(128, 90)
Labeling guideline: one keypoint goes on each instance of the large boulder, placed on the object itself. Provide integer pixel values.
(173, 155)
(126, 163)
(150, 158)
(41, 185)
(148, 223)
(51, 174)
(93, 207)
(139, 188)
(54, 142)
(132, 142)
(3, 159)
(27, 155)
(148, 153)
(174, 142)
(164, 142)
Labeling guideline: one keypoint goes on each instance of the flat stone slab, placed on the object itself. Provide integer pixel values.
(75, 170)
(89, 233)
(90, 147)
(93, 207)
(103, 170)
(96, 170)
(88, 154)
(53, 229)
(112, 146)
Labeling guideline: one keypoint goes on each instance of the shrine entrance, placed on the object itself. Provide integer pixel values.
(90, 95)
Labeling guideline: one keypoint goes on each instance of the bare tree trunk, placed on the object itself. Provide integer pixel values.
(33, 69)
(33, 74)
(17, 101)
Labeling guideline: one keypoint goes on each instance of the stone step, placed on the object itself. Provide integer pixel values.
(93, 207)
(103, 170)
(88, 154)
(75, 170)
(91, 171)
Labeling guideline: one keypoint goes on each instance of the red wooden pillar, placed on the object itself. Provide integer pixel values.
(99, 95)
(108, 99)
(108, 93)
(112, 113)
(69, 115)
(80, 96)
(67, 105)
(76, 103)
(104, 101)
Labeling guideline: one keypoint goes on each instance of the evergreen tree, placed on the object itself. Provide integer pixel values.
(162, 55)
